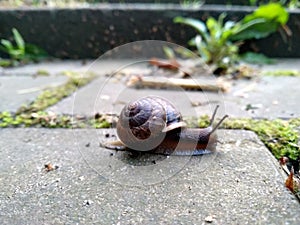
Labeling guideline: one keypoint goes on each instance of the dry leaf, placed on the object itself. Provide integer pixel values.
(289, 183)
(171, 64)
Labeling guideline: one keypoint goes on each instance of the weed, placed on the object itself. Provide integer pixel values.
(19, 51)
(218, 41)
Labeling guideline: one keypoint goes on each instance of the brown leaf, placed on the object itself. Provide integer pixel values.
(171, 64)
(289, 183)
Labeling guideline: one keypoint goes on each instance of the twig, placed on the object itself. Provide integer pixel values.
(169, 83)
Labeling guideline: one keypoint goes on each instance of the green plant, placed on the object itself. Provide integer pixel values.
(218, 41)
(252, 2)
(287, 3)
(21, 51)
(294, 4)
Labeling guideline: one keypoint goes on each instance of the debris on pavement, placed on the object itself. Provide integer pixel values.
(49, 167)
(171, 64)
(140, 82)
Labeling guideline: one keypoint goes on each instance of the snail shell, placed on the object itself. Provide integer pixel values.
(153, 124)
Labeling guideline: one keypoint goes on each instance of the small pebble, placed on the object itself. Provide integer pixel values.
(49, 167)
(209, 219)
(88, 202)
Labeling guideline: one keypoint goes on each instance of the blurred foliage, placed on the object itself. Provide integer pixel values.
(217, 41)
(19, 51)
(287, 3)
(256, 58)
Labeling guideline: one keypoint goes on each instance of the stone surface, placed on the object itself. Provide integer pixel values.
(239, 184)
(18, 90)
(53, 67)
(266, 97)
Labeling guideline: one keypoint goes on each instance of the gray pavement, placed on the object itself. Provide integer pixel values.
(240, 184)
(18, 90)
(264, 97)
(269, 98)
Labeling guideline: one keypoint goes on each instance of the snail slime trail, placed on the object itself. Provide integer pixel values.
(152, 124)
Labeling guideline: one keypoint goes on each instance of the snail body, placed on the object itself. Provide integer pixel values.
(154, 125)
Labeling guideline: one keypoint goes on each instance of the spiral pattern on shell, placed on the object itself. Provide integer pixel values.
(143, 123)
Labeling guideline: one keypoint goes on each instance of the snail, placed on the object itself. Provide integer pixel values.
(153, 124)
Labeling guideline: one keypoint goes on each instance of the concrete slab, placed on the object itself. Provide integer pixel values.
(100, 66)
(52, 67)
(240, 184)
(18, 90)
(268, 97)
(282, 64)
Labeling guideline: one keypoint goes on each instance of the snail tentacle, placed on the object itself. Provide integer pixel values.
(218, 124)
(213, 115)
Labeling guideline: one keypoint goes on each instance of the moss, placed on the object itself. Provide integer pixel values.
(290, 73)
(100, 124)
(279, 136)
(6, 119)
(295, 122)
(51, 120)
(204, 121)
(5, 63)
(52, 96)
(42, 72)
(32, 115)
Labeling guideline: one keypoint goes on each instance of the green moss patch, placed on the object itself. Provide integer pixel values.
(51, 120)
(42, 73)
(278, 73)
(280, 136)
